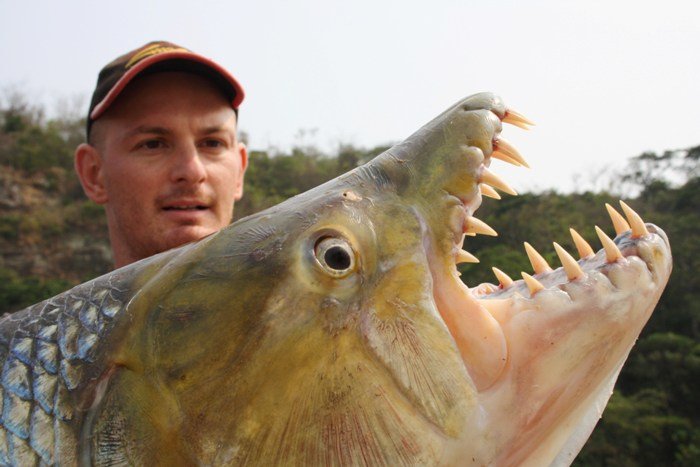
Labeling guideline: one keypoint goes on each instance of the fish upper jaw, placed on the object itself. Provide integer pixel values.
(445, 168)
(543, 352)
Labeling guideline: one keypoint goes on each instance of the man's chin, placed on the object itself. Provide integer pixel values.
(183, 234)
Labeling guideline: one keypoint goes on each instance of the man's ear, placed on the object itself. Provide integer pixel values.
(88, 166)
(243, 153)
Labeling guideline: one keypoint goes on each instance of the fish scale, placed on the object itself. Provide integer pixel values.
(46, 349)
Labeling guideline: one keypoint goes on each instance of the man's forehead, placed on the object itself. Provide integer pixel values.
(167, 90)
(164, 94)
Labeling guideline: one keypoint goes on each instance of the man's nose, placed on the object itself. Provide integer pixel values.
(188, 165)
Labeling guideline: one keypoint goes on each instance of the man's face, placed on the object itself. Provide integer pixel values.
(170, 164)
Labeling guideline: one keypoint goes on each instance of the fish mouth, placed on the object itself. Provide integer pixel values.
(478, 318)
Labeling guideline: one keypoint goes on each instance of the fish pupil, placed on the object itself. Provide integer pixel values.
(337, 258)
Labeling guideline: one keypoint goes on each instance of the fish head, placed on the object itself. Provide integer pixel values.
(329, 330)
(334, 327)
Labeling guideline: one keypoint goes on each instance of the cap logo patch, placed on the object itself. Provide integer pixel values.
(154, 49)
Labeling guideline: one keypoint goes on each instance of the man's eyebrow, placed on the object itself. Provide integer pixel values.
(213, 129)
(219, 130)
(150, 130)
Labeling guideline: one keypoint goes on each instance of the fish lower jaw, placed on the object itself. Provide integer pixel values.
(628, 241)
(636, 264)
(609, 281)
(598, 294)
(566, 342)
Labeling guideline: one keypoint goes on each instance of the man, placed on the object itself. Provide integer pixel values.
(162, 154)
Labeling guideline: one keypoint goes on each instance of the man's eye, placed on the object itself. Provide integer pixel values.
(212, 143)
(152, 144)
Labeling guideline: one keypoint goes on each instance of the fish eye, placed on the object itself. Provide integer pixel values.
(335, 256)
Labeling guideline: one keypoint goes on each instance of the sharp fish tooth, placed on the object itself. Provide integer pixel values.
(503, 278)
(517, 119)
(619, 222)
(477, 226)
(492, 179)
(465, 257)
(485, 289)
(584, 249)
(539, 264)
(638, 227)
(504, 158)
(487, 191)
(504, 147)
(571, 267)
(612, 253)
(532, 284)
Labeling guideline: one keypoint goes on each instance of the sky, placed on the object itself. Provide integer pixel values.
(603, 80)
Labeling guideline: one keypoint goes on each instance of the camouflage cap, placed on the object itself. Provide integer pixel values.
(155, 57)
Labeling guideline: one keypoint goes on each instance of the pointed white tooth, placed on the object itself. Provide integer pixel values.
(619, 222)
(501, 145)
(570, 265)
(485, 289)
(489, 192)
(638, 227)
(584, 249)
(504, 158)
(465, 257)
(492, 179)
(477, 226)
(539, 264)
(517, 119)
(503, 278)
(532, 284)
(612, 253)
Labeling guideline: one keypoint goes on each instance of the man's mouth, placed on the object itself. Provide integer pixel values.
(185, 208)
(191, 204)
(186, 211)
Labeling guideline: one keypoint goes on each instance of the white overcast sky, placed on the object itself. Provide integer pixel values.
(604, 80)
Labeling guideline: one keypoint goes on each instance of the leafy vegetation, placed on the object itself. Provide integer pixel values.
(16, 291)
(52, 238)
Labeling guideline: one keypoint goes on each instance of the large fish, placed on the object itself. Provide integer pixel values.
(333, 329)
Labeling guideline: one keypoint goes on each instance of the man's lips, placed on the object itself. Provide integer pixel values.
(186, 211)
(185, 208)
(186, 205)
